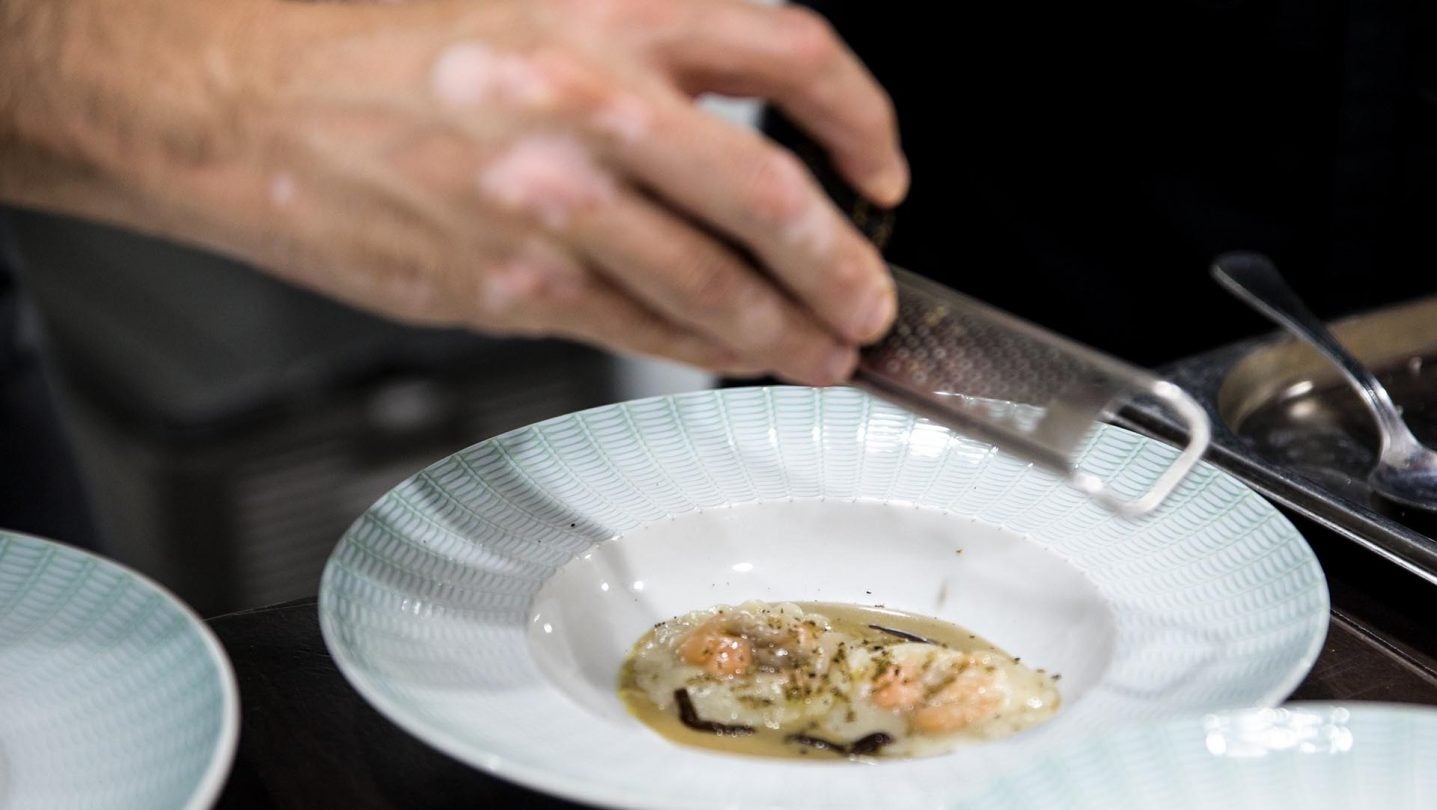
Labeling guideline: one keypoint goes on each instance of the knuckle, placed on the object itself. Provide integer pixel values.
(779, 192)
(509, 289)
(570, 80)
(808, 38)
(548, 181)
(530, 290)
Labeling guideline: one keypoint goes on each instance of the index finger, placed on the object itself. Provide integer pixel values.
(740, 184)
(793, 58)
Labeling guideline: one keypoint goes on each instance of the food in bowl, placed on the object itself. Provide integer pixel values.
(797, 679)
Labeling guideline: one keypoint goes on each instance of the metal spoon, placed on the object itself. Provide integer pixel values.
(1406, 471)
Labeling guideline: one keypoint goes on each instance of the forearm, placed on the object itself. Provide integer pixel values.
(113, 109)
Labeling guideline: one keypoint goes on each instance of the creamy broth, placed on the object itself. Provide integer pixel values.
(880, 679)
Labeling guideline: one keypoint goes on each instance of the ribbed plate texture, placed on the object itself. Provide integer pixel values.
(112, 693)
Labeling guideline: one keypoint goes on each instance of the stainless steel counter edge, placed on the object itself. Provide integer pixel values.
(1201, 376)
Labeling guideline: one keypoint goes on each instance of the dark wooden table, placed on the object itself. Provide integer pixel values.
(308, 740)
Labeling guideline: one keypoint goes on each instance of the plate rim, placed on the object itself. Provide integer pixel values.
(564, 785)
(207, 789)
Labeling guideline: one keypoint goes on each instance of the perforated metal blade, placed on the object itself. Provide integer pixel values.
(1036, 394)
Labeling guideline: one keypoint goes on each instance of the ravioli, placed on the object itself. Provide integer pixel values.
(821, 679)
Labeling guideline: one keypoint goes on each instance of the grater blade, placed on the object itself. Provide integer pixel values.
(989, 374)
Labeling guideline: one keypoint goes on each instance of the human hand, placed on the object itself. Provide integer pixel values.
(540, 167)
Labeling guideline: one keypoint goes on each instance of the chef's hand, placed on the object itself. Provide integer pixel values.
(514, 166)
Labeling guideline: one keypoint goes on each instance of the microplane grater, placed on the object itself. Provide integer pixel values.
(986, 373)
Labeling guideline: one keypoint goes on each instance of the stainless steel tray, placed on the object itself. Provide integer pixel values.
(1286, 424)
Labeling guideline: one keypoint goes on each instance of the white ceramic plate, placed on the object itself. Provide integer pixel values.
(486, 603)
(1312, 756)
(113, 695)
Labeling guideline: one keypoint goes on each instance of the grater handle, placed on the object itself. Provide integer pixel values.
(1199, 433)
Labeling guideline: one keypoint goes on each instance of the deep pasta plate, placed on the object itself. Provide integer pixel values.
(486, 604)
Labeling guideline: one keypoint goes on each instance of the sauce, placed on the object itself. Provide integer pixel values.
(874, 641)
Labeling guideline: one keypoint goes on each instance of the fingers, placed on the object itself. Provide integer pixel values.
(763, 198)
(730, 180)
(691, 280)
(541, 290)
(682, 236)
(792, 57)
(558, 183)
(611, 319)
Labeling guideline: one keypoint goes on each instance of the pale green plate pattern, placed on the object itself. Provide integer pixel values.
(434, 604)
(1312, 756)
(112, 693)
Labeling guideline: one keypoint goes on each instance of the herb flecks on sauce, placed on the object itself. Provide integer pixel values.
(790, 679)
